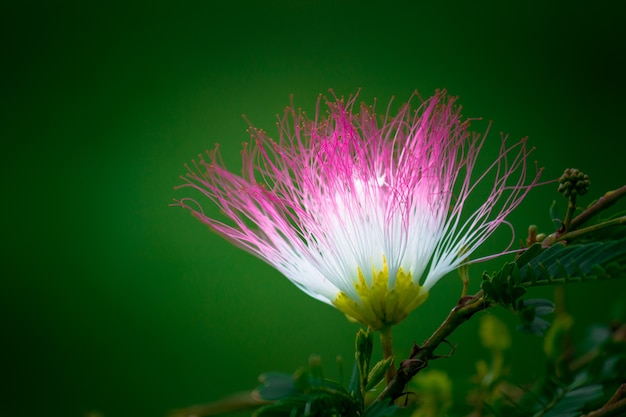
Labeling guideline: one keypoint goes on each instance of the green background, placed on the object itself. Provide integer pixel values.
(113, 302)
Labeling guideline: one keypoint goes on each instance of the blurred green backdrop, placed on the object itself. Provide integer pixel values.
(113, 302)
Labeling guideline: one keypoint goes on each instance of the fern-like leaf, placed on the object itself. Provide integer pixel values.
(574, 263)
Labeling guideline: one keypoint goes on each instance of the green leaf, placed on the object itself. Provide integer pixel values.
(276, 385)
(562, 264)
(541, 306)
(504, 287)
(305, 393)
(536, 326)
(489, 289)
(283, 408)
(323, 398)
(507, 287)
(529, 254)
(364, 347)
(573, 401)
(380, 409)
(529, 312)
(377, 373)
(354, 386)
(319, 405)
(517, 292)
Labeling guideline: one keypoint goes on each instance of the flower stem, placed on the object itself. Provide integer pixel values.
(571, 208)
(387, 344)
(420, 355)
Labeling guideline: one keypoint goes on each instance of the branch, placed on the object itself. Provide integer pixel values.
(236, 402)
(420, 355)
(576, 233)
(615, 407)
(603, 202)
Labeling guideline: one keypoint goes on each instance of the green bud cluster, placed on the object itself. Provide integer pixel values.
(573, 182)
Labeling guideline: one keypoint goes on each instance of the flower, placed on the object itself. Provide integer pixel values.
(361, 213)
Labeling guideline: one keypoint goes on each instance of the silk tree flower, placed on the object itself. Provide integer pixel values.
(361, 212)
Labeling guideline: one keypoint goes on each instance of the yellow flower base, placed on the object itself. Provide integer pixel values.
(378, 305)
